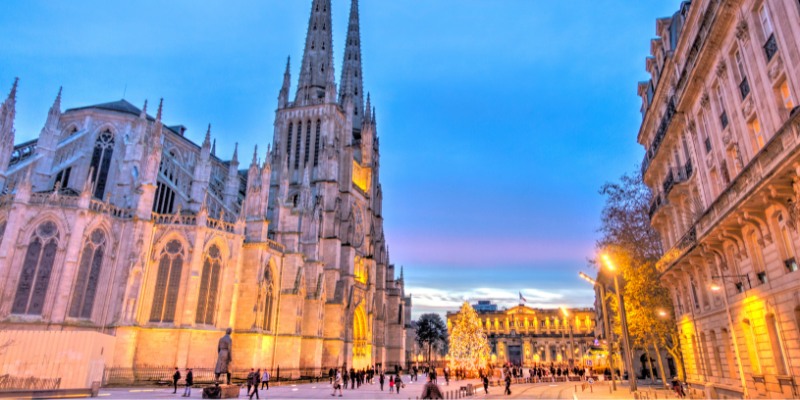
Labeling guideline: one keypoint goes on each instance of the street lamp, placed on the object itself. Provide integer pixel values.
(606, 328)
(571, 344)
(732, 332)
(623, 323)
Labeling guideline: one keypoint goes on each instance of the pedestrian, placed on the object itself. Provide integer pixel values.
(346, 378)
(175, 378)
(381, 379)
(391, 384)
(431, 390)
(485, 380)
(256, 379)
(508, 385)
(189, 382)
(331, 375)
(265, 379)
(249, 380)
(398, 383)
(337, 384)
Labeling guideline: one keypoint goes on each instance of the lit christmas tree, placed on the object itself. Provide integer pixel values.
(469, 348)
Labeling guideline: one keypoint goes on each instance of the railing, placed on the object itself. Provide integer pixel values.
(175, 219)
(23, 151)
(655, 204)
(275, 245)
(666, 119)
(220, 225)
(706, 22)
(55, 199)
(163, 375)
(112, 210)
(770, 47)
(669, 182)
(8, 382)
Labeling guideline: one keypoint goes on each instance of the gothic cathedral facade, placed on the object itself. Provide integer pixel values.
(114, 222)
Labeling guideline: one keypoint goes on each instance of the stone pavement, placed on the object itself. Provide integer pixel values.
(322, 390)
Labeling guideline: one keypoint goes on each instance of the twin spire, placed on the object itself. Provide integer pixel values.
(317, 82)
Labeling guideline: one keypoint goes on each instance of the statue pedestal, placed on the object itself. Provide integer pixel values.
(225, 392)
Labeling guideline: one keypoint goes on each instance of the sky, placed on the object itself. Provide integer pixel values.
(498, 119)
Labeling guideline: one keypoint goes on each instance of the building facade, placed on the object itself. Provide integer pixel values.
(113, 221)
(527, 336)
(720, 130)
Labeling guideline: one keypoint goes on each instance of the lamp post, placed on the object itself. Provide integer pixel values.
(571, 344)
(732, 330)
(623, 324)
(606, 328)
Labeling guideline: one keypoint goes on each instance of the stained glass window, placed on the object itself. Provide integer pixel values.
(36, 269)
(101, 162)
(168, 280)
(209, 287)
(88, 276)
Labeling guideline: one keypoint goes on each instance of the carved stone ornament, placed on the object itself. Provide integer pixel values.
(747, 106)
(704, 99)
(709, 161)
(691, 127)
(721, 69)
(726, 138)
(775, 68)
(742, 31)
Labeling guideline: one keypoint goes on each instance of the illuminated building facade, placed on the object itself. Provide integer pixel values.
(526, 336)
(114, 222)
(720, 130)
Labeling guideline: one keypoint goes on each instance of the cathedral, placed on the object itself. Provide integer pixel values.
(115, 222)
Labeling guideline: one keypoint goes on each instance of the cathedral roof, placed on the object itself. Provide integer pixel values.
(122, 106)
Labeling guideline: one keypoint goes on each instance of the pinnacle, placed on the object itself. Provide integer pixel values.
(160, 108)
(235, 158)
(255, 155)
(207, 140)
(144, 110)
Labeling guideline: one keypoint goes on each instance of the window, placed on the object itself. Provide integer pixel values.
(164, 199)
(209, 287)
(63, 177)
(168, 280)
(101, 162)
(289, 144)
(726, 343)
(758, 257)
(316, 143)
(777, 347)
(756, 135)
(88, 276)
(723, 116)
(752, 352)
(785, 95)
(695, 298)
(307, 147)
(744, 86)
(705, 133)
(786, 245)
(715, 351)
(36, 268)
(297, 145)
(766, 22)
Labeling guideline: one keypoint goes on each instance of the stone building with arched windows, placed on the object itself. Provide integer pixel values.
(114, 222)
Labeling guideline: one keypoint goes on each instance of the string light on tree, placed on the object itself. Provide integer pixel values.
(469, 348)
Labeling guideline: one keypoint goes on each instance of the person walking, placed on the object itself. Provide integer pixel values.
(337, 384)
(265, 379)
(391, 384)
(431, 390)
(189, 382)
(381, 379)
(249, 380)
(485, 380)
(175, 378)
(508, 385)
(398, 383)
(256, 379)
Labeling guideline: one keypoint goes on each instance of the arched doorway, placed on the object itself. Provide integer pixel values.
(362, 341)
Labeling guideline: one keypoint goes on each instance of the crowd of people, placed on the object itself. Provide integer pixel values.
(341, 379)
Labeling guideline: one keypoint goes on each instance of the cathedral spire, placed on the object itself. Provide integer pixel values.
(283, 96)
(55, 112)
(207, 140)
(143, 114)
(316, 70)
(352, 83)
(255, 157)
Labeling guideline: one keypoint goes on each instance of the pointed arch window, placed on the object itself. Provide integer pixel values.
(289, 144)
(209, 287)
(168, 280)
(297, 145)
(101, 162)
(36, 270)
(266, 321)
(88, 276)
(307, 147)
(316, 143)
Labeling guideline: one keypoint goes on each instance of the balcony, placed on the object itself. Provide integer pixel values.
(652, 151)
(770, 47)
(655, 204)
(744, 88)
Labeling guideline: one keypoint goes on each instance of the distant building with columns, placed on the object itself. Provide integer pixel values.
(526, 336)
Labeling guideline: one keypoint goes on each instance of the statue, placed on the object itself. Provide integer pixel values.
(224, 356)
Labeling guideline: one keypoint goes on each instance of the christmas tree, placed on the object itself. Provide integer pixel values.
(469, 348)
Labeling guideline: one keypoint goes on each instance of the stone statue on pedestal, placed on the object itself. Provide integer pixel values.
(224, 356)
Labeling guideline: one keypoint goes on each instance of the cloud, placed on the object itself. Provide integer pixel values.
(432, 300)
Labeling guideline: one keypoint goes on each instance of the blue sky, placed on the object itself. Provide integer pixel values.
(499, 120)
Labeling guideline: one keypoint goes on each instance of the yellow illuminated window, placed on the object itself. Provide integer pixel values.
(360, 270)
(786, 95)
(755, 134)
